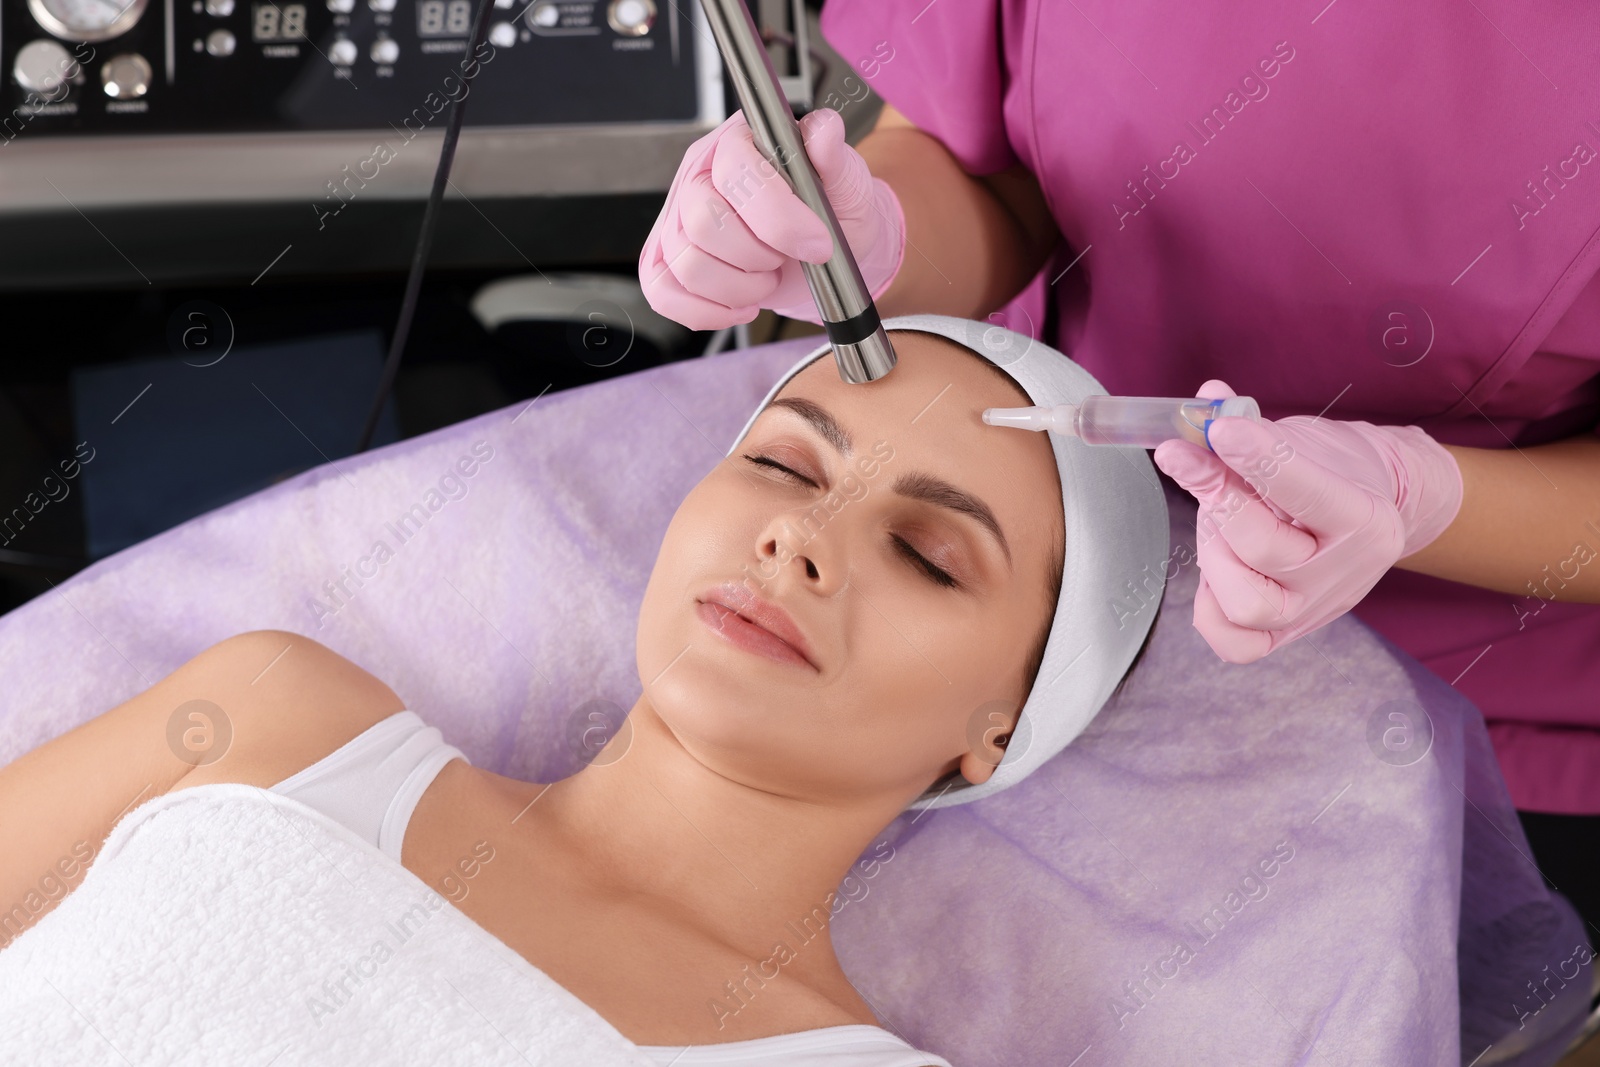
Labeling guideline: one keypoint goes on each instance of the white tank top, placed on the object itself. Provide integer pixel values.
(372, 783)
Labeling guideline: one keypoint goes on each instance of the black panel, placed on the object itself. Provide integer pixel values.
(580, 70)
(222, 243)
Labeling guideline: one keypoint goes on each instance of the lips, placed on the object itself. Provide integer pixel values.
(752, 622)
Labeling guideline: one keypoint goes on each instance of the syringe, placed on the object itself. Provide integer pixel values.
(1138, 421)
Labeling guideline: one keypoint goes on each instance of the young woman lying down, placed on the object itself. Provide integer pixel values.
(874, 601)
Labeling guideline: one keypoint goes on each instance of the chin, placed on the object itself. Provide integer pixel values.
(720, 713)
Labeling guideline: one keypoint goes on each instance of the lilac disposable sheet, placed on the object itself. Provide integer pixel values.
(1116, 907)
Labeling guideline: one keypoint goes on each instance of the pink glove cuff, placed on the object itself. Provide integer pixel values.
(879, 261)
(1427, 478)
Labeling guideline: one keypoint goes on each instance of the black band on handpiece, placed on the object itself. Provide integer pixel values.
(854, 330)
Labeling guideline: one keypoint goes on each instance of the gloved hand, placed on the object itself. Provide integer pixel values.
(1300, 517)
(730, 237)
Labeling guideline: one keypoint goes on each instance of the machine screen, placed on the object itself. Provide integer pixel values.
(444, 18)
(275, 22)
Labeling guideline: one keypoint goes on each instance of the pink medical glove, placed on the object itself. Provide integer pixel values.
(730, 238)
(1300, 517)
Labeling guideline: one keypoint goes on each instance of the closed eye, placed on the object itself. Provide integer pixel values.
(941, 577)
(936, 574)
(768, 461)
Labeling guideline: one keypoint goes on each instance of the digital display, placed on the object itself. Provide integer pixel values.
(278, 22)
(444, 18)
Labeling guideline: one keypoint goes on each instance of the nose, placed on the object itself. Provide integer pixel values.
(808, 544)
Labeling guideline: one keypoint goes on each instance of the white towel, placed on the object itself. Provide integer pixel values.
(226, 924)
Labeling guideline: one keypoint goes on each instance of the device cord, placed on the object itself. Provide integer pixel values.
(430, 213)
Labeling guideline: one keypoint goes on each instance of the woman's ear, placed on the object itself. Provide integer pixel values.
(987, 739)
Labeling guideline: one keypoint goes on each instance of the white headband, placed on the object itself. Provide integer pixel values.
(1116, 552)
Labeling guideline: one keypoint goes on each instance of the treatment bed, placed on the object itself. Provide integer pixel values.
(1310, 859)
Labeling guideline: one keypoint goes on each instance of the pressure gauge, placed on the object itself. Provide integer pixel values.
(87, 20)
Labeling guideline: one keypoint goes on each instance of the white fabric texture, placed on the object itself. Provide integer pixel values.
(226, 923)
(371, 784)
(1116, 551)
(223, 924)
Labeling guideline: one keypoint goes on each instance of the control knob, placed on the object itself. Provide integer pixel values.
(126, 76)
(631, 18)
(42, 66)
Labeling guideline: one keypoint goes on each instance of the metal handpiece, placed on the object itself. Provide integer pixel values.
(860, 344)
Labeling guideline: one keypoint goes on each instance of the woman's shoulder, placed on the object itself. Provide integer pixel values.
(293, 700)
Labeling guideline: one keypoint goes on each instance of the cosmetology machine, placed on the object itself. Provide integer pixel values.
(181, 141)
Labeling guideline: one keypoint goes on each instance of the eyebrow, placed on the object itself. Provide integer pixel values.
(914, 485)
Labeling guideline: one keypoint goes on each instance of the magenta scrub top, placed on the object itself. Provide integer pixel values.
(1380, 212)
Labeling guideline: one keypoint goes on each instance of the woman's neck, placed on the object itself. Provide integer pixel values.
(754, 867)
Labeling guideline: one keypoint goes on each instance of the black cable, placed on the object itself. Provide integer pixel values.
(419, 257)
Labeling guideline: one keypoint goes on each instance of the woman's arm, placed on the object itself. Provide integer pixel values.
(1529, 523)
(287, 701)
(971, 243)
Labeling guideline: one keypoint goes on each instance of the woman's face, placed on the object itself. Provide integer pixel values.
(909, 622)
